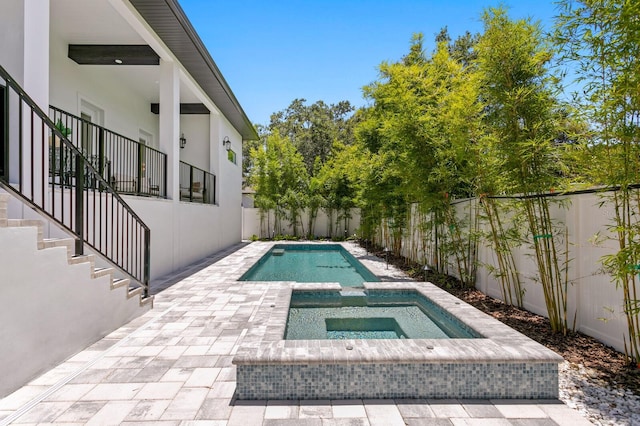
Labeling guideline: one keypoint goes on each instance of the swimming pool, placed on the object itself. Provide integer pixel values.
(370, 315)
(500, 363)
(310, 263)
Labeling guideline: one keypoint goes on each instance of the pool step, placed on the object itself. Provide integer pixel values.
(277, 252)
(352, 297)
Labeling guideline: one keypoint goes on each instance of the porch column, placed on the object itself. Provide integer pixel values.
(215, 148)
(24, 53)
(170, 125)
(36, 51)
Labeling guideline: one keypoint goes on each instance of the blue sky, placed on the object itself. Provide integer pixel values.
(271, 51)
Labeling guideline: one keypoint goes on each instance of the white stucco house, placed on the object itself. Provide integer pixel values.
(120, 162)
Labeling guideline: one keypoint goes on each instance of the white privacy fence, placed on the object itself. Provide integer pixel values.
(323, 226)
(593, 298)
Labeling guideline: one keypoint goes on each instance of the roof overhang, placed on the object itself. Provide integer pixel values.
(171, 24)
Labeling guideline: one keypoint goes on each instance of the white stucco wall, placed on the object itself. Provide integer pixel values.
(195, 128)
(50, 309)
(12, 38)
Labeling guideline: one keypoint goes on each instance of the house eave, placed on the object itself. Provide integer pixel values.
(171, 24)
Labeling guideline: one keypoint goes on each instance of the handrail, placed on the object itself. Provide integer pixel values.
(53, 177)
(196, 184)
(130, 167)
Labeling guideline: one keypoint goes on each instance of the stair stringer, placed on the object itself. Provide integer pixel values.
(52, 305)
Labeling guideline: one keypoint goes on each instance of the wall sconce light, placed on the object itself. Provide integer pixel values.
(183, 141)
(226, 143)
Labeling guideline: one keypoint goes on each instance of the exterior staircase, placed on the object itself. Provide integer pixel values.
(56, 303)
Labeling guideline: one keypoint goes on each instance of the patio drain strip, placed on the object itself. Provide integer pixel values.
(29, 405)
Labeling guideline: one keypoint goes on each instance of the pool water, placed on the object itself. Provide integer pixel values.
(310, 263)
(370, 315)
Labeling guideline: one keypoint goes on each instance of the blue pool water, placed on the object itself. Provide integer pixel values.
(374, 314)
(310, 263)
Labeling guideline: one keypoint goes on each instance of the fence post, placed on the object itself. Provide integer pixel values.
(147, 262)
(79, 228)
(190, 183)
(139, 179)
(101, 154)
(4, 147)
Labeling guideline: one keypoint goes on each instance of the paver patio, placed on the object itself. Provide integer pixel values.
(172, 366)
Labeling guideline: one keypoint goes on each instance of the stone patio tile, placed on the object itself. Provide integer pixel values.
(154, 371)
(84, 356)
(90, 376)
(105, 363)
(70, 392)
(196, 350)
(150, 350)
(121, 351)
(383, 413)
(113, 392)
(185, 405)
(292, 422)
(447, 408)
(227, 374)
(355, 421)
(245, 413)
(226, 361)
(465, 421)
(480, 409)
(81, 412)
(20, 397)
(53, 376)
(428, 422)
(177, 375)
(202, 377)
(148, 410)
(222, 390)
(537, 422)
(519, 409)
(215, 409)
(172, 352)
(45, 412)
(348, 408)
(196, 361)
(316, 409)
(564, 415)
(113, 413)
(160, 390)
(135, 362)
(122, 375)
(277, 409)
(203, 423)
(414, 408)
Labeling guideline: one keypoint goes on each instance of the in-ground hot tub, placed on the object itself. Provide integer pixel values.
(371, 314)
(500, 363)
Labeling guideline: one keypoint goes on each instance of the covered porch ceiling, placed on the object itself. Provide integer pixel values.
(97, 22)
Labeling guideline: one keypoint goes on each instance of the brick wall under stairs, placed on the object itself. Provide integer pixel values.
(53, 304)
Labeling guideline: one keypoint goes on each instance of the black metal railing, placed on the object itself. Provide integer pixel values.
(197, 185)
(130, 167)
(53, 177)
